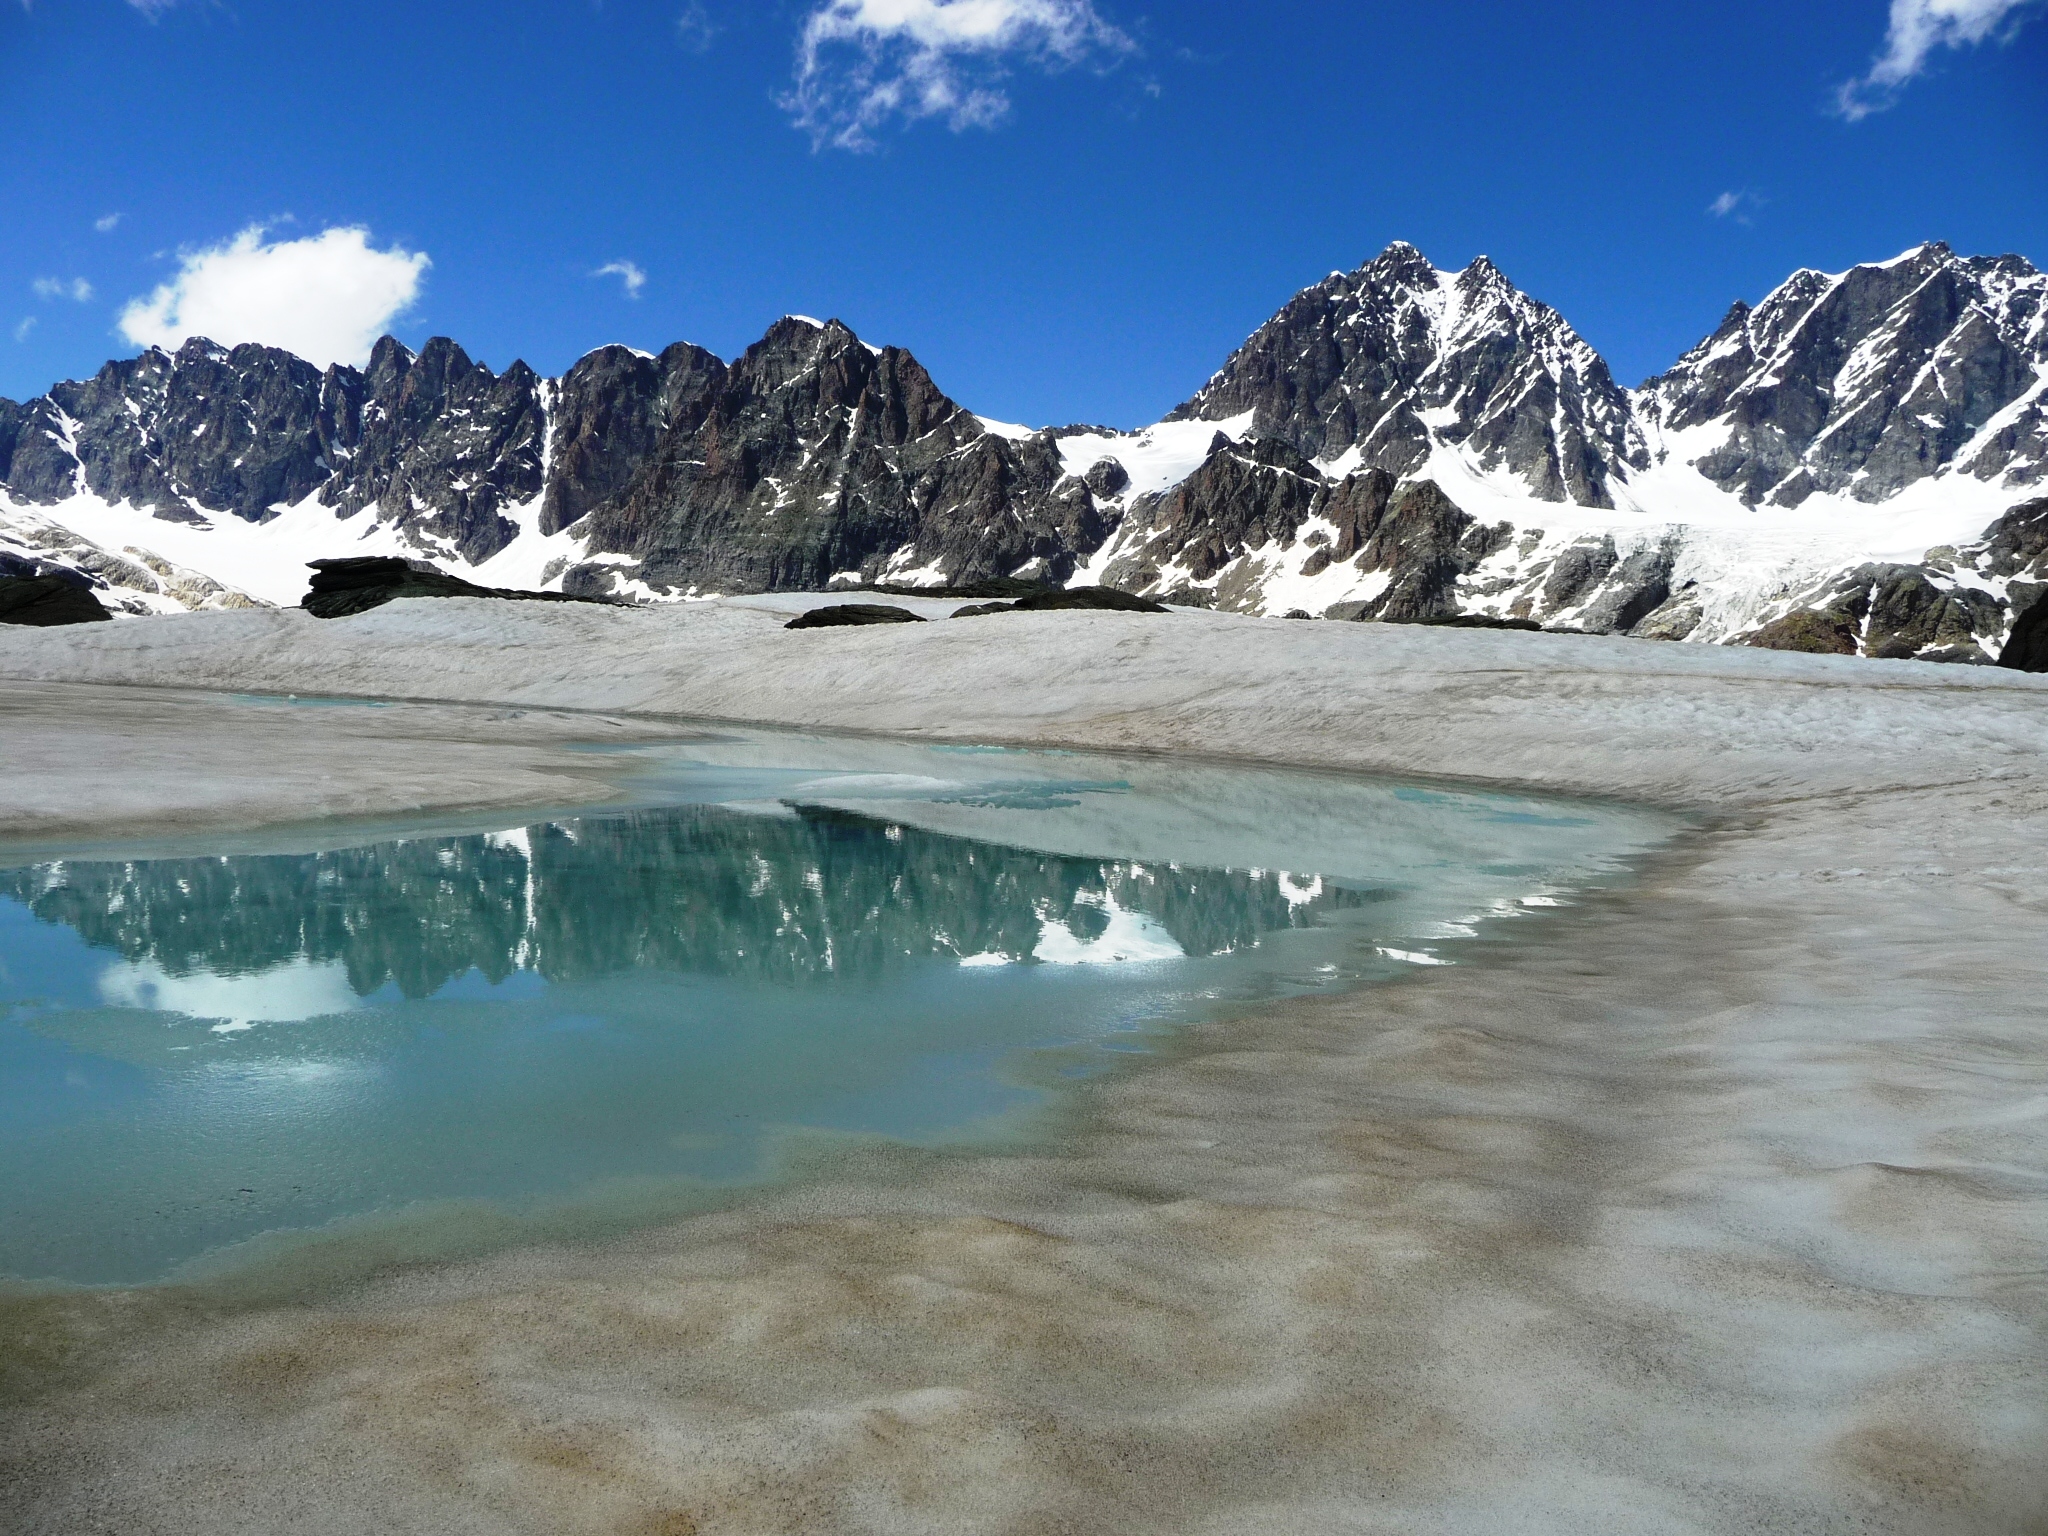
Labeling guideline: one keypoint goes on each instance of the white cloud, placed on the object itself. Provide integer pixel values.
(327, 297)
(106, 222)
(21, 331)
(1918, 27)
(1739, 206)
(628, 274)
(77, 289)
(862, 62)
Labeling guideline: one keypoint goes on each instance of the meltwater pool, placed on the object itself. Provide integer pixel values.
(783, 938)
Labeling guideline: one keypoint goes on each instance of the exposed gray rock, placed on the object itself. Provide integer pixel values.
(1674, 619)
(1631, 591)
(2017, 544)
(1087, 599)
(1577, 570)
(1425, 542)
(817, 460)
(1106, 478)
(853, 615)
(815, 455)
(1244, 496)
(438, 442)
(1471, 621)
(1868, 382)
(611, 412)
(1893, 612)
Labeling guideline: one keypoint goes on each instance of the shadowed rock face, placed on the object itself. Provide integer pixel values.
(611, 412)
(816, 455)
(2026, 649)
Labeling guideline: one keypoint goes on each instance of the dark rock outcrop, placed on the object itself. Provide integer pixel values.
(1086, 599)
(1470, 621)
(47, 601)
(1069, 599)
(1425, 543)
(1893, 612)
(852, 615)
(362, 582)
(2026, 648)
(1006, 588)
(1243, 497)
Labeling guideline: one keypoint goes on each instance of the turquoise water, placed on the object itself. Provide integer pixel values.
(785, 936)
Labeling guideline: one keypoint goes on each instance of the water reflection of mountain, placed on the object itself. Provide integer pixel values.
(783, 898)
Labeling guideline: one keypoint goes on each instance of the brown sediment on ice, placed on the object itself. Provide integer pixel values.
(1715, 1205)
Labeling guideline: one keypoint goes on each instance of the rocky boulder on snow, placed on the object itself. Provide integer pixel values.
(46, 601)
(853, 616)
(362, 582)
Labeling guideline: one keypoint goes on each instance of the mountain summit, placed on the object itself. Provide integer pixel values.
(1385, 366)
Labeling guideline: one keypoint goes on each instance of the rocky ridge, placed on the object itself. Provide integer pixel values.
(1840, 466)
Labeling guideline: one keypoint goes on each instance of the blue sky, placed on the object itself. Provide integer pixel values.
(1069, 211)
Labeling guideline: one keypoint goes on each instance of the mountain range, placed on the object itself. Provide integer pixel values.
(1853, 465)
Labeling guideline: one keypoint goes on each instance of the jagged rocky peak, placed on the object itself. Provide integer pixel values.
(433, 438)
(444, 445)
(816, 456)
(207, 428)
(1865, 381)
(1382, 366)
(610, 411)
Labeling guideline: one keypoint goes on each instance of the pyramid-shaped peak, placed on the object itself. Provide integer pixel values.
(1400, 262)
(1480, 273)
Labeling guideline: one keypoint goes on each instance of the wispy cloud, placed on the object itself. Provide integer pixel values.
(105, 222)
(1741, 206)
(327, 297)
(630, 277)
(1917, 29)
(21, 331)
(694, 29)
(76, 289)
(861, 63)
